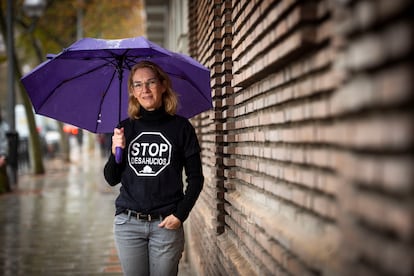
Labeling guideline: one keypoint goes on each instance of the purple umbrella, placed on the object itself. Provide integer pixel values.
(86, 84)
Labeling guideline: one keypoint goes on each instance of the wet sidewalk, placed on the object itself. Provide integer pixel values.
(60, 223)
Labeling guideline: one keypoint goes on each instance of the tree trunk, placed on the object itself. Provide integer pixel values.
(64, 144)
(36, 154)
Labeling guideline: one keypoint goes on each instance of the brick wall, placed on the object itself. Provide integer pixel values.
(308, 153)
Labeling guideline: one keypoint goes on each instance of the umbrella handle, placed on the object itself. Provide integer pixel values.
(118, 155)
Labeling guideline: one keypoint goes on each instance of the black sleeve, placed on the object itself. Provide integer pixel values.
(113, 171)
(195, 181)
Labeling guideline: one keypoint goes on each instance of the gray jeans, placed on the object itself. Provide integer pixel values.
(146, 249)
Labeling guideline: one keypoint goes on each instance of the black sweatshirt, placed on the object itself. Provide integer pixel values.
(158, 147)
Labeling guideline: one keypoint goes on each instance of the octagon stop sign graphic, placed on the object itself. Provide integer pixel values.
(149, 153)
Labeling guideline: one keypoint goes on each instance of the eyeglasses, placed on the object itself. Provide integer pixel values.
(151, 84)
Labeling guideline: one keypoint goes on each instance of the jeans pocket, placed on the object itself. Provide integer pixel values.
(121, 219)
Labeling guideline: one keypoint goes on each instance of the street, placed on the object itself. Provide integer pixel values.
(60, 223)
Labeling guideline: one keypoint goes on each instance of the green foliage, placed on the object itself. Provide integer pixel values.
(113, 19)
(56, 29)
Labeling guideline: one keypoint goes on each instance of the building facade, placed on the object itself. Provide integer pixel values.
(308, 152)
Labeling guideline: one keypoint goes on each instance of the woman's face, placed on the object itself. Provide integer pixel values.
(147, 89)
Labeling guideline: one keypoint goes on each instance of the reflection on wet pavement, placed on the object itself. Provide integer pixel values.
(60, 223)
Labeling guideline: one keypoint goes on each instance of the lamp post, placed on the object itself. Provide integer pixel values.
(10, 61)
(12, 135)
(34, 8)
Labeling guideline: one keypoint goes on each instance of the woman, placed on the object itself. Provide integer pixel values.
(157, 145)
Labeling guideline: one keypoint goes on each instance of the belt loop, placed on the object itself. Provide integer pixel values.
(129, 214)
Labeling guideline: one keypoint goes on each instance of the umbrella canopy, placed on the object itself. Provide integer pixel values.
(86, 84)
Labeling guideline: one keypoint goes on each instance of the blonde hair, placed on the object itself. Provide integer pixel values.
(169, 97)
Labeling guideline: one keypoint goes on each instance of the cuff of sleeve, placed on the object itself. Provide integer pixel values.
(181, 216)
(113, 161)
(112, 157)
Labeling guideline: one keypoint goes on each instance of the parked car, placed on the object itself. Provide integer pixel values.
(47, 128)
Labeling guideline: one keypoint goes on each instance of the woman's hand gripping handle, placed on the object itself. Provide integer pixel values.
(118, 144)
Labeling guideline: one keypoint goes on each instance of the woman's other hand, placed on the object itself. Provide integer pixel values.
(170, 222)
